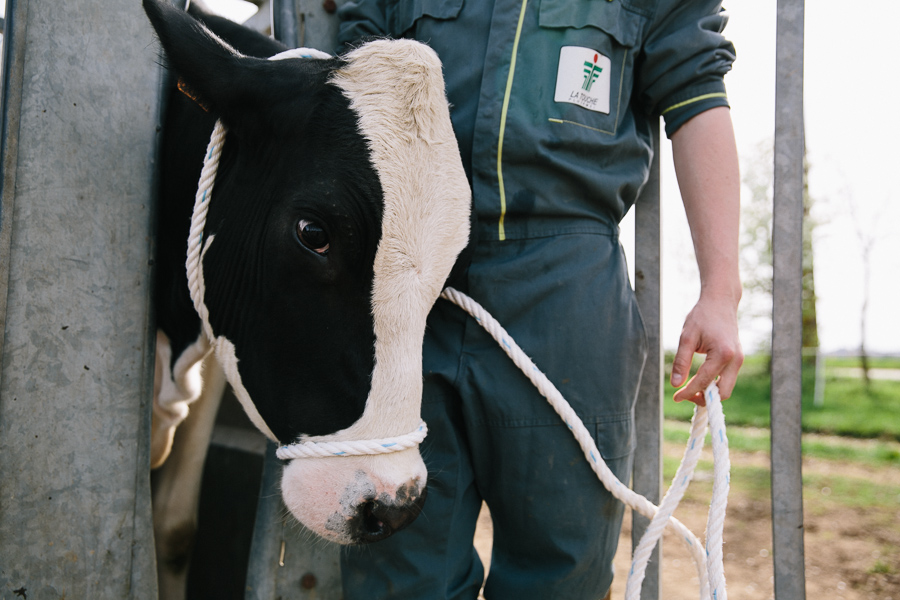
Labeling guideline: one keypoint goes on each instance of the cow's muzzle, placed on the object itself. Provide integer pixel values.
(379, 519)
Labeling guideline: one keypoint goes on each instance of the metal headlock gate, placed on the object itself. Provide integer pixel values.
(80, 120)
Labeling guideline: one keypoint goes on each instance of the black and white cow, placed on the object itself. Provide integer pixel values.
(339, 210)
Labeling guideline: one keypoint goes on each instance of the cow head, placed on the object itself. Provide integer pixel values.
(338, 211)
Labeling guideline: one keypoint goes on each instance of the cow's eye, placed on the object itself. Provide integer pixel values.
(313, 236)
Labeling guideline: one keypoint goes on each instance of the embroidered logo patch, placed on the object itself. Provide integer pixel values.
(582, 78)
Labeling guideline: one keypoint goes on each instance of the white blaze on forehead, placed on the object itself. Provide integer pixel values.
(396, 89)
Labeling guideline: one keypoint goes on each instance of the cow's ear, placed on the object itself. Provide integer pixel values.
(243, 91)
(205, 64)
(211, 72)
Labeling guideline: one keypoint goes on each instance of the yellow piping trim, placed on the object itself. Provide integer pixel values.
(509, 81)
(697, 99)
(565, 122)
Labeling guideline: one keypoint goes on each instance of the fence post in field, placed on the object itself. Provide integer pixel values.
(79, 123)
(787, 491)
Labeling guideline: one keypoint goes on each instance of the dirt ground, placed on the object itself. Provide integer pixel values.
(852, 552)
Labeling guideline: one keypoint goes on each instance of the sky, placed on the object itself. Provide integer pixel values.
(852, 149)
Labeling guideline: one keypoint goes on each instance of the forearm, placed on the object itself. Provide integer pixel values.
(706, 165)
(707, 168)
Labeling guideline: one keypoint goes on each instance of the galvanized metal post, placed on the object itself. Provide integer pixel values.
(79, 138)
(648, 417)
(286, 25)
(787, 233)
(306, 23)
(286, 561)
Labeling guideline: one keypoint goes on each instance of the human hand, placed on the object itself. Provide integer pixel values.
(710, 328)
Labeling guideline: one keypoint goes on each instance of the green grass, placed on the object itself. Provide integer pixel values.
(879, 362)
(875, 453)
(880, 454)
(847, 491)
(882, 567)
(820, 492)
(847, 409)
(752, 391)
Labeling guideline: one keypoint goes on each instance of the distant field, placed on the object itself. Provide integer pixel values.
(847, 409)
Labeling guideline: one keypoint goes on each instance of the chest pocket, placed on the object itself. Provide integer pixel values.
(594, 74)
(408, 13)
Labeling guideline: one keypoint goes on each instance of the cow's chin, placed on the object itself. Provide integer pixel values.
(356, 499)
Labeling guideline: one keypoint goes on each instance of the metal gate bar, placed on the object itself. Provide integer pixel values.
(648, 410)
(787, 234)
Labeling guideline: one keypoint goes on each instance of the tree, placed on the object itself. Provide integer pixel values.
(756, 239)
(810, 333)
(756, 243)
(868, 234)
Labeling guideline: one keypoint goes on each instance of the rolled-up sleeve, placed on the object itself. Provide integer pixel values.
(683, 61)
(361, 19)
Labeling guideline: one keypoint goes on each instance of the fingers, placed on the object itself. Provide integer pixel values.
(681, 365)
(724, 364)
(710, 329)
(694, 389)
(697, 399)
(728, 376)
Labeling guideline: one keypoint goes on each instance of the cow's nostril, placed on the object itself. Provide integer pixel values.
(377, 520)
(370, 522)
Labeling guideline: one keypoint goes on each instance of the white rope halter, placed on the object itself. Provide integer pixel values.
(709, 563)
(358, 448)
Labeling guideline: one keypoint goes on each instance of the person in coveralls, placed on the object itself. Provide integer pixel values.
(552, 103)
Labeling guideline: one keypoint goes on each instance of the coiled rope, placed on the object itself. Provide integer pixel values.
(709, 562)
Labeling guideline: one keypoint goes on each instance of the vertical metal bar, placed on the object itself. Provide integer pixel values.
(318, 28)
(13, 72)
(287, 561)
(304, 23)
(285, 22)
(787, 491)
(79, 138)
(648, 417)
(268, 532)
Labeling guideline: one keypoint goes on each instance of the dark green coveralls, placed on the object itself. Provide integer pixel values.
(552, 103)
